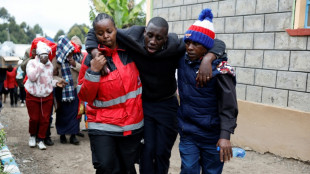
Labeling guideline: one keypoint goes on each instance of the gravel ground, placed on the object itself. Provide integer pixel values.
(67, 158)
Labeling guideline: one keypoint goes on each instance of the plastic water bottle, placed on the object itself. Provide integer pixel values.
(237, 152)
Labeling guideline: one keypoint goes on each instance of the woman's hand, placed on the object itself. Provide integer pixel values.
(205, 70)
(97, 63)
(61, 83)
(225, 150)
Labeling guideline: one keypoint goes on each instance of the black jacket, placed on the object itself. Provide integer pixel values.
(157, 71)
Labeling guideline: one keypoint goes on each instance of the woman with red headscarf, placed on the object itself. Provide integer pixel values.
(39, 96)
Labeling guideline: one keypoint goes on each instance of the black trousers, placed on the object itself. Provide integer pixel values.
(13, 95)
(22, 94)
(160, 132)
(115, 154)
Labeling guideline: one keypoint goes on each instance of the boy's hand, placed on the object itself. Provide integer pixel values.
(225, 150)
(205, 70)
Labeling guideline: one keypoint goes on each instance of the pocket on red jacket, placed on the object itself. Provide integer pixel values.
(116, 116)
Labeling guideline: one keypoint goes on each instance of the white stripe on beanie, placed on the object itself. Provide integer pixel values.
(205, 24)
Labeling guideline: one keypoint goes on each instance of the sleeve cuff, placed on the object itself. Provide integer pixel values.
(225, 135)
(54, 83)
(92, 76)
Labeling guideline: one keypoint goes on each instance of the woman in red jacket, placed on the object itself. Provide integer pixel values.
(11, 85)
(114, 110)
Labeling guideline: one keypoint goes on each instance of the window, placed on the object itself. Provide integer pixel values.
(300, 18)
(307, 16)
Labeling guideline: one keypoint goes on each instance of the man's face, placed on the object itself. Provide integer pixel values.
(154, 38)
(195, 50)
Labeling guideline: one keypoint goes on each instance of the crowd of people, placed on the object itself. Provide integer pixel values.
(128, 81)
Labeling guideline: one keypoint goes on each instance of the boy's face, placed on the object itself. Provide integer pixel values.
(195, 50)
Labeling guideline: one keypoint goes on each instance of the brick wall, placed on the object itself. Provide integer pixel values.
(272, 67)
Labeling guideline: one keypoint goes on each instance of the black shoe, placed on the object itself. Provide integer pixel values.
(63, 139)
(74, 140)
(48, 141)
(80, 134)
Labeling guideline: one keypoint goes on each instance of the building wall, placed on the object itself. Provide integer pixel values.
(272, 68)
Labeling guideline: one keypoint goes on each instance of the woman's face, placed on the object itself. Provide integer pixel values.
(33, 53)
(106, 33)
(43, 58)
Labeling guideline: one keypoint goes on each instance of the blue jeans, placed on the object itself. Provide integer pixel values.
(196, 155)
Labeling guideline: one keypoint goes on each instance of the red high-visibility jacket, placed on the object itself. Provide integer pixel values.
(114, 100)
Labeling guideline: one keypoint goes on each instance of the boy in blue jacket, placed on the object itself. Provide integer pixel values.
(207, 115)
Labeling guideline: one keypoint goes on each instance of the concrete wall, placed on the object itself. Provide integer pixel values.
(272, 67)
(264, 128)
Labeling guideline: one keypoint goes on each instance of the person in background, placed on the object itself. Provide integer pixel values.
(67, 66)
(114, 109)
(10, 84)
(77, 41)
(207, 115)
(4, 91)
(30, 54)
(20, 75)
(39, 94)
(2, 79)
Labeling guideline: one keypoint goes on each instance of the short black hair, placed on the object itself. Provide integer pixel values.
(159, 22)
(102, 16)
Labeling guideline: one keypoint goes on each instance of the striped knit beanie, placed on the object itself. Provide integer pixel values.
(202, 31)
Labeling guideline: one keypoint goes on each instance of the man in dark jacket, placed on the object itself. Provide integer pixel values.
(2, 78)
(156, 53)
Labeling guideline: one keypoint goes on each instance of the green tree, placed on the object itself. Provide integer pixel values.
(78, 30)
(17, 33)
(125, 12)
(23, 25)
(37, 29)
(4, 15)
(30, 33)
(59, 33)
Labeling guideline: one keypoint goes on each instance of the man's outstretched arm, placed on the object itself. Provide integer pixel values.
(205, 69)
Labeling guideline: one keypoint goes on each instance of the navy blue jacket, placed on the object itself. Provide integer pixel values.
(210, 112)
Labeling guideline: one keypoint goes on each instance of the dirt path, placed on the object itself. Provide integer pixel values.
(63, 159)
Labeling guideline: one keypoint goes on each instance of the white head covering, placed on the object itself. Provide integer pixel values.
(42, 48)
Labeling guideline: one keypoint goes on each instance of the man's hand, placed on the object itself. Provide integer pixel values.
(225, 150)
(98, 62)
(205, 70)
(61, 83)
(94, 52)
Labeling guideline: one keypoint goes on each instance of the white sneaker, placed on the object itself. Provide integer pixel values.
(41, 145)
(22, 105)
(32, 141)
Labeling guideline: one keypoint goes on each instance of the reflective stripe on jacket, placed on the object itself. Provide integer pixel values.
(115, 103)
